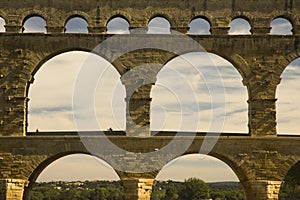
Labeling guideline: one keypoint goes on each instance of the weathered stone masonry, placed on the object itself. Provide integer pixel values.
(260, 160)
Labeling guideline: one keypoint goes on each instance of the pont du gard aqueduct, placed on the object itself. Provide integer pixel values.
(260, 159)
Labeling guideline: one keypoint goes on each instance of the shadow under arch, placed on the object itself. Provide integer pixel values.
(51, 159)
(210, 168)
(223, 65)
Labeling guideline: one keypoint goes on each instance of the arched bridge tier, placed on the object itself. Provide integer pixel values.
(260, 61)
(259, 163)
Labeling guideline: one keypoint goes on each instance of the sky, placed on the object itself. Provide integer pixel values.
(183, 93)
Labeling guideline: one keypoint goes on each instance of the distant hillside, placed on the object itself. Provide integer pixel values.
(226, 183)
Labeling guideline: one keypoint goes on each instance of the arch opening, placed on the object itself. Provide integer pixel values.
(118, 25)
(76, 25)
(74, 176)
(2, 25)
(239, 26)
(290, 188)
(288, 100)
(212, 179)
(35, 24)
(199, 26)
(159, 25)
(281, 26)
(51, 105)
(182, 96)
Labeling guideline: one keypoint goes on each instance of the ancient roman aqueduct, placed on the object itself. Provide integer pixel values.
(260, 160)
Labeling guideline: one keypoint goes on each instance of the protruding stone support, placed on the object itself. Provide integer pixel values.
(55, 29)
(262, 117)
(261, 189)
(12, 189)
(260, 30)
(13, 28)
(137, 189)
(183, 30)
(138, 111)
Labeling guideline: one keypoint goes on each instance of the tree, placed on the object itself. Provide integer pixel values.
(290, 190)
(171, 193)
(194, 189)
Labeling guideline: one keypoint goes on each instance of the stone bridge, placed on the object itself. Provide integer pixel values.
(260, 159)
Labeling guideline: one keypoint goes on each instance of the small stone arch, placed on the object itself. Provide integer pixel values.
(284, 18)
(40, 166)
(245, 20)
(73, 17)
(246, 16)
(161, 15)
(205, 19)
(79, 14)
(36, 14)
(123, 15)
(116, 17)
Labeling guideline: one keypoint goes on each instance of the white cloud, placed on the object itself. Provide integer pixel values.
(288, 100)
(189, 84)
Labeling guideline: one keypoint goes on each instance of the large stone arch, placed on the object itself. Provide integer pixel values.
(44, 58)
(39, 167)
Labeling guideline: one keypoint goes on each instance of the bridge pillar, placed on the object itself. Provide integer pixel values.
(12, 189)
(137, 189)
(138, 111)
(261, 26)
(261, 189)
(262, 117)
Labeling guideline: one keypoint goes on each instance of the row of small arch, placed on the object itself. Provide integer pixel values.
(120, 25)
